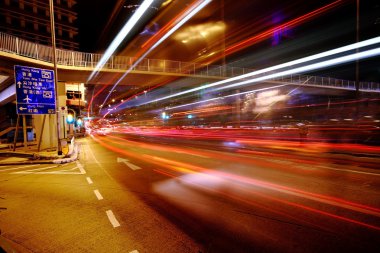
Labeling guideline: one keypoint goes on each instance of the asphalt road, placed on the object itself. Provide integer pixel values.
(129, 194)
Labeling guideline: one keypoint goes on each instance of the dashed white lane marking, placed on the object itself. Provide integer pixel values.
(112, 219)
(89, 181)
(98, 195)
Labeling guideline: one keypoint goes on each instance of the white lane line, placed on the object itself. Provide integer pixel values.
(134, 251)
(80, 167)
(32, 171)
(89, 180)
(132, 166)
(89, 150)
(57, 172)
(22, 167)
(353, 171)
(98, 195)
(112, 219)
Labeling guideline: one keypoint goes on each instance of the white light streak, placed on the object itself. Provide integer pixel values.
(227, 96)
(165, 36)
(315, 66)
(121, 35)
(280, 66)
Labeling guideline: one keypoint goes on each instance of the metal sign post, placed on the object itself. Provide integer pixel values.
(52, 29)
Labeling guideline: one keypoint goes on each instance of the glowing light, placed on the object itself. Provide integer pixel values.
(218, 98)
(70, 119)
(181, 20)
(315, 66)
(200, 32)
(280, 66)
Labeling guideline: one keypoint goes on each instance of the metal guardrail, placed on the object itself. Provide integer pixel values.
(12, 44)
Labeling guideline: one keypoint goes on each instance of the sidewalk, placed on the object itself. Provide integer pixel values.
(32, 156)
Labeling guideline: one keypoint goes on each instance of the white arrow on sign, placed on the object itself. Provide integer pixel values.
(126, 162)
(19, 84)
(22, 108)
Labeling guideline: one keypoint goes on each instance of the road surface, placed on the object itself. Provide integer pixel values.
(131, 193)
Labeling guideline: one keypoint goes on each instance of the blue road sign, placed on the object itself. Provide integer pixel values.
(35, 90)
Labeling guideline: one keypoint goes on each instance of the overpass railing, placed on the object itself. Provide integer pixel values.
(329, 82)
(12, 44)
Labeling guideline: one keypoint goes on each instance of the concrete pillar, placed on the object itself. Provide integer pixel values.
(49, 138)
(48, 132)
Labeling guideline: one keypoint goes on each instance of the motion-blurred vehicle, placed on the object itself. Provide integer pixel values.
(101, 131)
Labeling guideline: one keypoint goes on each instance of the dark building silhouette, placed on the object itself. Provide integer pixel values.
(30, 20)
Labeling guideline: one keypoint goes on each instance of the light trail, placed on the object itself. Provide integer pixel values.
(268, 33)
(227, 96)
(358, 45)
(182, 20)
(315, 66)
(287, 25)
(121, 36)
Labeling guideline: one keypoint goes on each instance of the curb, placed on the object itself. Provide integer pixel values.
(73, 156)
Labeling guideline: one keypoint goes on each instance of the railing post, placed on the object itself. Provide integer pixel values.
(36, 51)
(92, 61)
(148, 65)
(17, 48)
(72, 58)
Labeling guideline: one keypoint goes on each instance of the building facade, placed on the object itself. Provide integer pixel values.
(30, 20)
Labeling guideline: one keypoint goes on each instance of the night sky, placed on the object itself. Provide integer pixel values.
(99, 21)
(92, 18)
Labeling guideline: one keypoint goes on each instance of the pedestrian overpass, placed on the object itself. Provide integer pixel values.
(77, 66)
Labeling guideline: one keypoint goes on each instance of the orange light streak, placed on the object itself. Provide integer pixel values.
(292, 23)
(152, 40)
(186, 167)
